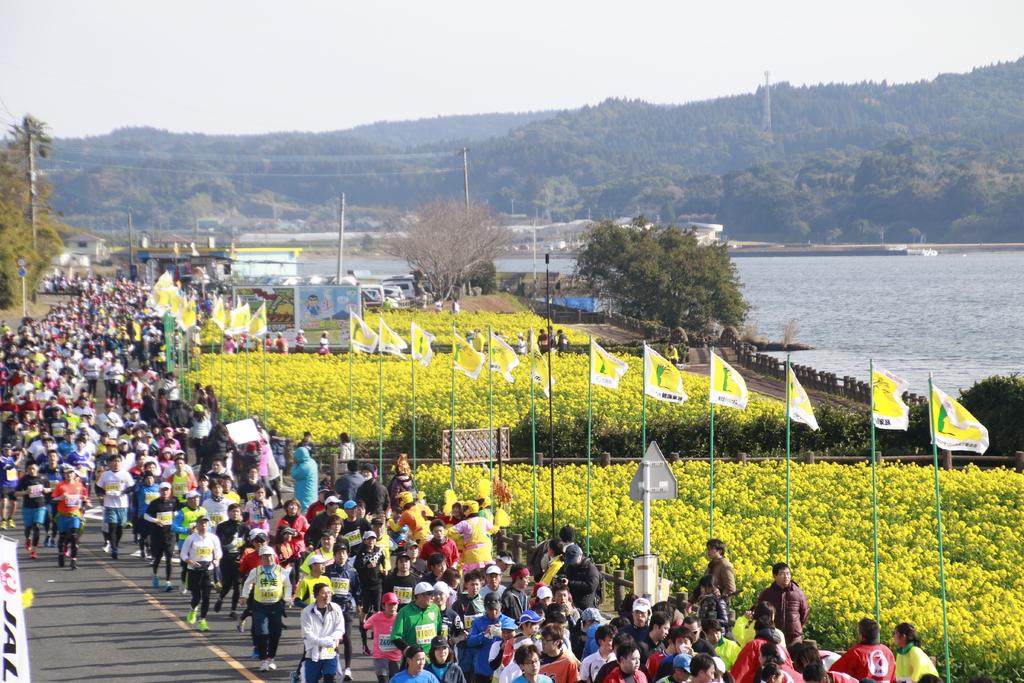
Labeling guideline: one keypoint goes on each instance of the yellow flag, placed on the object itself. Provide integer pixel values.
(953, 426)
(258, 324)
(361, 337)
(163, 299)
(177, 252)
(239, 319)
(539, 371)
(187, 318)
(219, 315)
(887, 407)
(466, 359)
(176, 303)
(661, 379)
(727, 385)
(422, 349)
(605, 369)
(800, 409)
(389, 341)
(503, 357)
(165, 281)
(533, 346)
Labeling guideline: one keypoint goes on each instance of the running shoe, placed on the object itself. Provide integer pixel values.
(106, 547)
(33, 554)
(113, 553)
(217, 605)
(155, 582)
(169, 587)
(191, 618)
(74, 563)
(265, 665)
(272, 665)
(202, 625)
(184, 589)
(28, 545)
(233, 616)
(348, 674)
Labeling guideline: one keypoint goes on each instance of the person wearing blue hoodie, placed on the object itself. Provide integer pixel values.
(306, 477)
(485, 632)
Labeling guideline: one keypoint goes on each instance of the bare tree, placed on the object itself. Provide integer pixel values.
(448, 242)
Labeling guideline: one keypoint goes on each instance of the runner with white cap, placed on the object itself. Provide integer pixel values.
(201, 553)
(419, 621)
(160, 517)
(269, 586)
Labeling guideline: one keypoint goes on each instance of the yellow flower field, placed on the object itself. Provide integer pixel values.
(310, 392)
(440, 324)
(983, 514)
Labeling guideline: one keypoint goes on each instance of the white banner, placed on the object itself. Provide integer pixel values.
(15, 650)
(243, 431)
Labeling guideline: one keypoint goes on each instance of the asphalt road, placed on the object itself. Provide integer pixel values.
(103, 621)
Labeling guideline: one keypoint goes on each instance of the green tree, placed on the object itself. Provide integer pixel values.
(663, 274)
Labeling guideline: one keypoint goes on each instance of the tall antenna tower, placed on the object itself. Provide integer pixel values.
(766, 116)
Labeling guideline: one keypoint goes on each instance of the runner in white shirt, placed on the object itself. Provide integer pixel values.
(201, 552)
(114, 483)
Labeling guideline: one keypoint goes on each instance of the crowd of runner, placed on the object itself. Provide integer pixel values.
(90, 419)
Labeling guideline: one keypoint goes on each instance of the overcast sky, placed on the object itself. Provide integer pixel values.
(218, 66)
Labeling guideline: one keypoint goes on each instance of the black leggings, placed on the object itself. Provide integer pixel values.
(69, 541)
(162, 548)
(199, 585)
(229, 580)
(113, 533)
(266, 618)
(32, 534)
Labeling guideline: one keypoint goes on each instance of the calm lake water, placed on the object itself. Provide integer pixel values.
(959, 317)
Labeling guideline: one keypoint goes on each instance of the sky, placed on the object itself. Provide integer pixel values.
(226, 66)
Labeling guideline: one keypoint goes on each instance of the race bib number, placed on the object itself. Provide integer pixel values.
(72, 500)
(384, 643)
(35, 491)
(165, 518)
(467, 620)
(113, 489)
(12, 475)
(180, 488)
(340, 585)
(204, 554)
(150, 497)
(327, 653)
(425, 633)
(404, 594)
(256, 514)
(217, 517)
(267, 591)
(353, 537)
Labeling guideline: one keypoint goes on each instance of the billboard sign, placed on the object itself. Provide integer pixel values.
(325, 308)
(280, 303)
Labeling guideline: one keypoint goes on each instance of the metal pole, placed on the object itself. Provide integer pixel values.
(341, 240)
(534, 290)
(590, 429)
(31, 181)
(465, 173)
(874, 490)
(551, 394)
(490, 402)
(938, 527)
(451, 434)
(533, 437)
(711, 439)
(788, 461)
(24, 298)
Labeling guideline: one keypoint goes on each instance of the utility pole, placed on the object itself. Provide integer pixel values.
(766, 114)
(131, 247)
(465, 173)
(341, 239)
(31, 150)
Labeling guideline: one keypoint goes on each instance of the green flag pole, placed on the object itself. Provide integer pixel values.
(265, 382)
(643, 405)
(874, 490)
(711, 438)
(248, 351)
(412, 363)
(451, 433)
(590, 430)
(533, 437)
(938, 526)
(789, 421)
(351, 434)
(220, 390)
(490, 403)
(380, 409)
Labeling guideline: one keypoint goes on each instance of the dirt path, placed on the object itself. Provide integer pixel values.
(605, 332)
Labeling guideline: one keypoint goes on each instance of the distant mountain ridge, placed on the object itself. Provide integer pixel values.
(937, 158)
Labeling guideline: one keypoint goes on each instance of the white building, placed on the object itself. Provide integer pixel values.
(706, 233)
(86, 249)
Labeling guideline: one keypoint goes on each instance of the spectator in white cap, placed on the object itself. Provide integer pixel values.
(542, 598)
(418, 622)
(640, 627)
(492, 581)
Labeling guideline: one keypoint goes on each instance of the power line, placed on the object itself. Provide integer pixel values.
(178, 171)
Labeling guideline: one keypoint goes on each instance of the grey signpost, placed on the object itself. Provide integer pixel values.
(654, 480)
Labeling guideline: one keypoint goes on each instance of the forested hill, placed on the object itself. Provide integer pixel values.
(940, 158)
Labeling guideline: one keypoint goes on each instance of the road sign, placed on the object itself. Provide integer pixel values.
(22, 272)
(22, 263)
(661, 482)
